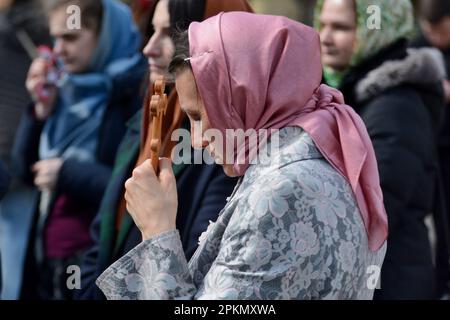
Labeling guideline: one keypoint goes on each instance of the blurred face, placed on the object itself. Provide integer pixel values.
(75, 47)
(193, 106)
(337, 33)
(438, 34)
(5, 4)
(160, 48)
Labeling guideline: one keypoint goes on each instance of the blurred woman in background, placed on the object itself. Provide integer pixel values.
(398, 94)
(434, 16)
(66, 143)
(202, 189)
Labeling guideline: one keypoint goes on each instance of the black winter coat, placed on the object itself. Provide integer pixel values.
(444, 135)
(4, 180)
(399, 97)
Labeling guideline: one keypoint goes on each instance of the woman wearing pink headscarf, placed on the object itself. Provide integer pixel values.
(307, 224)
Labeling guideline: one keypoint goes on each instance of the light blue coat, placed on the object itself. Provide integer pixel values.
(291, 230)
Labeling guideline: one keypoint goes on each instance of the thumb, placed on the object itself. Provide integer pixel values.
(166, 176)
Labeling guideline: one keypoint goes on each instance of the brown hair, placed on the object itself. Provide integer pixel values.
(180, 60)
(91, 11)
(434, 11)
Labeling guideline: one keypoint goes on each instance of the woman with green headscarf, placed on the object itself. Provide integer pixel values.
(398, 94)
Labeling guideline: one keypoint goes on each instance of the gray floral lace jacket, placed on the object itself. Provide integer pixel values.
(290, 230)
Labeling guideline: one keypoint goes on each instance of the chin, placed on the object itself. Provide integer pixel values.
(229, 171)
(442, 45)
(155, 75)
(334, 65)
(71, 68)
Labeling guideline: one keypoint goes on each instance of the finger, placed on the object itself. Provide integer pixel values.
(36, 167)
(35, 82)
(36, 182)
(37, 69)
(39, 65)
(128, 185)
(145, 170)
(31, 88)
(148, 165)
(128, 203)
(166, 176)
(129, 210)
(41, 182)
(127, 198)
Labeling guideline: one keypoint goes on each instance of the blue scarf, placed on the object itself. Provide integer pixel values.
(73, 129)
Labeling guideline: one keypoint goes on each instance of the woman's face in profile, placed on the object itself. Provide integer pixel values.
(160, 48)
(192, 104)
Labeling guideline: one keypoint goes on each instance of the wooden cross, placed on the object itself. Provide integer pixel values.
(158, 108)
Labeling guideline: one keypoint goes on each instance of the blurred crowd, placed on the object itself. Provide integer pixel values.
(75, 122)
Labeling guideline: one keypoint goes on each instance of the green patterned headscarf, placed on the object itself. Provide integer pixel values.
(396, 22)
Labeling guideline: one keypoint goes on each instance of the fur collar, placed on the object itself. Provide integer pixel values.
(421, 66)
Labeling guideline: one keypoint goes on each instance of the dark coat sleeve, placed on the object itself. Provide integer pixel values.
(84, 181)
(89, 268)
(399, 126)
(25, 150)
(5, 179)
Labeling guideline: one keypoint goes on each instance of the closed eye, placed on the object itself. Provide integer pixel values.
(195, 116)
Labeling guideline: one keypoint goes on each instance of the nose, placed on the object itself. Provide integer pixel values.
(326, 36)
(199, 144)
(153, 47)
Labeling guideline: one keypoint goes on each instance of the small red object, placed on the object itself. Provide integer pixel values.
(52, 71)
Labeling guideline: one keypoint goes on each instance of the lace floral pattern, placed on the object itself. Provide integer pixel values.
(291, 230)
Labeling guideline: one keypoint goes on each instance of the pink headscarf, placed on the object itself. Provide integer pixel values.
(264, 72)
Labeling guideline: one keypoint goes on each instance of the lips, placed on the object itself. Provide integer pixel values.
(155, 66)
(328, 51)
